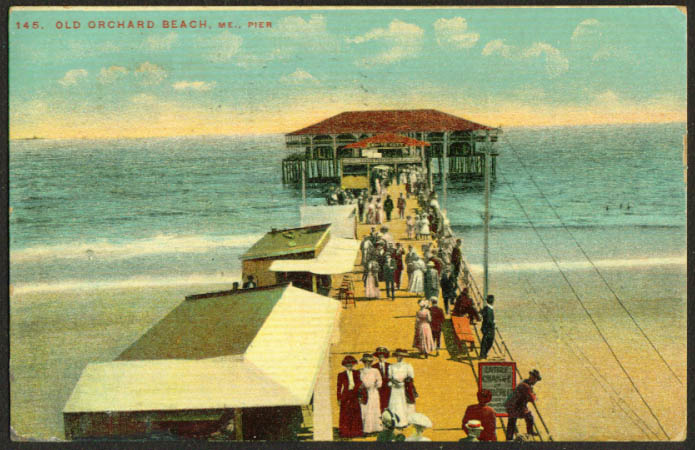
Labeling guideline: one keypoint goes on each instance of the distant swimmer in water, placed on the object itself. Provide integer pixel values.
(607, 208)
(628, 207)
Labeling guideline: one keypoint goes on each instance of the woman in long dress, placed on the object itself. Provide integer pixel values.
(416, 284)
(379, 212)
(371, 281)
(371, 382)
(367, 251)
(398, 372)
(423, 339)
(371, 211)
(424, 227)
(350, 420)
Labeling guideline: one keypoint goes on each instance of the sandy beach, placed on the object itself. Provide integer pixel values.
(54, 335)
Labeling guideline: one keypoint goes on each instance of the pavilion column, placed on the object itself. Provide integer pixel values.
(323, 415)
(311, 149)
(335, 155)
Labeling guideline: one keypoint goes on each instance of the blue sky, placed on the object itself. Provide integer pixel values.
(499, 66)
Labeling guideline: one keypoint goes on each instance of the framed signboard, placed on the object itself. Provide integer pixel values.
(500, 379)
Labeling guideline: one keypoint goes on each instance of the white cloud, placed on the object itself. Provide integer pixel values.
(498, 47)
(299, 76)
(73, 77)
(404, 41)
(113, 73)
(555, 63)
(589, 28)
(162, 42)
(452, 32)
(224, 46)
(150, 74)
(193, 85)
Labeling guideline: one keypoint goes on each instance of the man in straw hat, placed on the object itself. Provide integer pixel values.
(383, 367)
(350, 420)
(473, 429)
(485, 414)
(516, 405)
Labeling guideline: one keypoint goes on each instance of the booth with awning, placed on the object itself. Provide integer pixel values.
(307, 257)
(244, 361)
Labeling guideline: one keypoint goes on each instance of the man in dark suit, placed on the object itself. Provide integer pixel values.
(516, 405)
(456, 258)
(383, 367)
(437, 320)
(488, 327)
(389, 270)
(449, 286)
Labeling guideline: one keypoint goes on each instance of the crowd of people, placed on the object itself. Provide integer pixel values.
(380, 397)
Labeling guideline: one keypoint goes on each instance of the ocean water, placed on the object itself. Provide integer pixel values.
(168, 211)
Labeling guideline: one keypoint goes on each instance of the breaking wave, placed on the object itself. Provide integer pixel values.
(583, 265)
(134, 282)
(160, 244)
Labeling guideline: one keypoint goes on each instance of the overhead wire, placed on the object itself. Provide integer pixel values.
(591, 318)
(620, 401)
(600, 274)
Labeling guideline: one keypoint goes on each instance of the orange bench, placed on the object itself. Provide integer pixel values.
(463, 332)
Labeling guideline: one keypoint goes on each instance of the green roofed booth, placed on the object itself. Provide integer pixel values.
(239, 365)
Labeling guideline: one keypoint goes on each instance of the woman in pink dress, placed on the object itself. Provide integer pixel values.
(369, 398)
(371, 280)
(423, 340)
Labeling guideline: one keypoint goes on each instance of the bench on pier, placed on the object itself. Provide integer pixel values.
(463, 333)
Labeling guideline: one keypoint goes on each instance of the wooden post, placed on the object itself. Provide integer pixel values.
(446, 169)
(238, 425)
(335, 156)
(313, 283)
(303, 163)
(322, 415)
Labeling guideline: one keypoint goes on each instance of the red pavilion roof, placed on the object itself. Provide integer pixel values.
(391, 121)
(388, 138)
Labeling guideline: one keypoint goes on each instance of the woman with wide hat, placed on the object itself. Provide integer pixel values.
(369, 397)
(401, 374)
(350, 421)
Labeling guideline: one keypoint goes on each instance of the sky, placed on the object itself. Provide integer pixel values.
(497, 66)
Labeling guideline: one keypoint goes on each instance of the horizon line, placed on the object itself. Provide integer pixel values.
(53, 138)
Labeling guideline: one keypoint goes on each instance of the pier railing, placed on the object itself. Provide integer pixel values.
(499, 341)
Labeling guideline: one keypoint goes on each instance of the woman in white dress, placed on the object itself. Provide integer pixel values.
(371, 382)
(371, 280)
(417, 280)
(424, 230)
(398, 372)
(371, 211)
(379, 212)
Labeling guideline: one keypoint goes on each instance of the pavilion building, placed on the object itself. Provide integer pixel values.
(456, 145)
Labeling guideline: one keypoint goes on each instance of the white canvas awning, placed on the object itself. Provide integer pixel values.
(341, 217)
(279, 368)
(338, 256)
